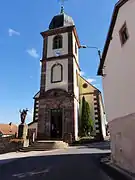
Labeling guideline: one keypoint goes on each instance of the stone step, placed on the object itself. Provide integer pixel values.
(50, 144)
(45, 145)
(28, 149)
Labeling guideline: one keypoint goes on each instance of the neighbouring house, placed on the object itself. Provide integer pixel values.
(8, 130)
(57, 105)
(117, 68)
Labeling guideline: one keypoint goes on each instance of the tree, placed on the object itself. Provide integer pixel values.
(86, 121)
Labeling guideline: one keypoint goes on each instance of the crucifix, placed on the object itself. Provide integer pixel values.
(62, 5)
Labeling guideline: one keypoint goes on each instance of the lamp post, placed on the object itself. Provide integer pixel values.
(92, 47)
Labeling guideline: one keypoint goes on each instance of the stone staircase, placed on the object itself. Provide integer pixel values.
(45, 146)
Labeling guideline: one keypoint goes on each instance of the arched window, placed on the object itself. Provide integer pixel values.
(56, 73)
(57, 42)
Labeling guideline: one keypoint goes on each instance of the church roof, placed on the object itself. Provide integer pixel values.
(61, 20)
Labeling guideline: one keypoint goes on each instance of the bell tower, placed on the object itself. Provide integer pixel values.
(59, 88)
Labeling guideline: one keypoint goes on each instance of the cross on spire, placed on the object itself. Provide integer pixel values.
(62, 5)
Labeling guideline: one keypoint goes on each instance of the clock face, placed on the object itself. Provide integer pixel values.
(57, 53)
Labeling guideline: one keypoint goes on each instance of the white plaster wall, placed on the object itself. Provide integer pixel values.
(122, 142)
(118, 84)
(103, 119)
(33, 126)
(76, 92)
(76, 111)
(63, 50)
(6, 135)
(74, 42)
(76, 88)
(64, 83)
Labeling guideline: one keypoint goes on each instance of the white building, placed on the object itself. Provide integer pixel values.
(117, 67)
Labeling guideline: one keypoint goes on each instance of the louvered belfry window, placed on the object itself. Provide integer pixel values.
(57, 42)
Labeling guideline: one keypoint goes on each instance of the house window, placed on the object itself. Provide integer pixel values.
(75, 48)
(56, 73)
(124, 34)
(57, 42)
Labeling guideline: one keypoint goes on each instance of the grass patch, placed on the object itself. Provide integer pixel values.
(84, 140)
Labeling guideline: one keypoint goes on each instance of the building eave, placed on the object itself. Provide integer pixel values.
(118, 5)
(51, 32)
(36, 95)
(32, 122)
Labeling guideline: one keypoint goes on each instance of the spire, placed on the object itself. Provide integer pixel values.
(62, 9)
(62, 19)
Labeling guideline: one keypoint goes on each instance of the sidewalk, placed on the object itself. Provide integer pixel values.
(115, 171)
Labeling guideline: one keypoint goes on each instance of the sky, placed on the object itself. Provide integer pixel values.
(21, 46)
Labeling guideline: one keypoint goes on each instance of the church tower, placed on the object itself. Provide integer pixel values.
(59, 88)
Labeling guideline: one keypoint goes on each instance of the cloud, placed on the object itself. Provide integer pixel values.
(82, 73)
(33, 52)
(91, 80)
(12, 32)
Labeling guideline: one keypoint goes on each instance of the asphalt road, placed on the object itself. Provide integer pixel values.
(75, 163)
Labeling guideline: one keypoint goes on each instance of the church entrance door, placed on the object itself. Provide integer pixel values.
(56, 123)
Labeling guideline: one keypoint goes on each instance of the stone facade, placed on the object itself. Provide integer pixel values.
(55, 99)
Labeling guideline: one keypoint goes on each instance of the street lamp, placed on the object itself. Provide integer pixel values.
(92, 47)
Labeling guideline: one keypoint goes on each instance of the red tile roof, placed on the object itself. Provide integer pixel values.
(7, 129)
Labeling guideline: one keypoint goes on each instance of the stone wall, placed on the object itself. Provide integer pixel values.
(6, 145)
(55, 99)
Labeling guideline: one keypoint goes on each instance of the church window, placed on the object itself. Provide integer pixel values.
(57, 42)
(56, 73)
(124, 34)
(85, 85)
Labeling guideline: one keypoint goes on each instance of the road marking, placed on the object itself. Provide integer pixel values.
(23, 175)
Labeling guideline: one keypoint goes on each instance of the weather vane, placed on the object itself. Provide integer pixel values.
(62, 5)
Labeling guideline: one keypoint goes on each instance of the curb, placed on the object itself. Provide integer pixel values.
(115, 172)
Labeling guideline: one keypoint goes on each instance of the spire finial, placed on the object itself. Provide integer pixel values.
(62, 6)
(62, 9)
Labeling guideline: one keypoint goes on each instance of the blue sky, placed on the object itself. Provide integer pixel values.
(21, 46)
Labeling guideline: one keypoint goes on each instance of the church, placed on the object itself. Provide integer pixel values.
(57, 105)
